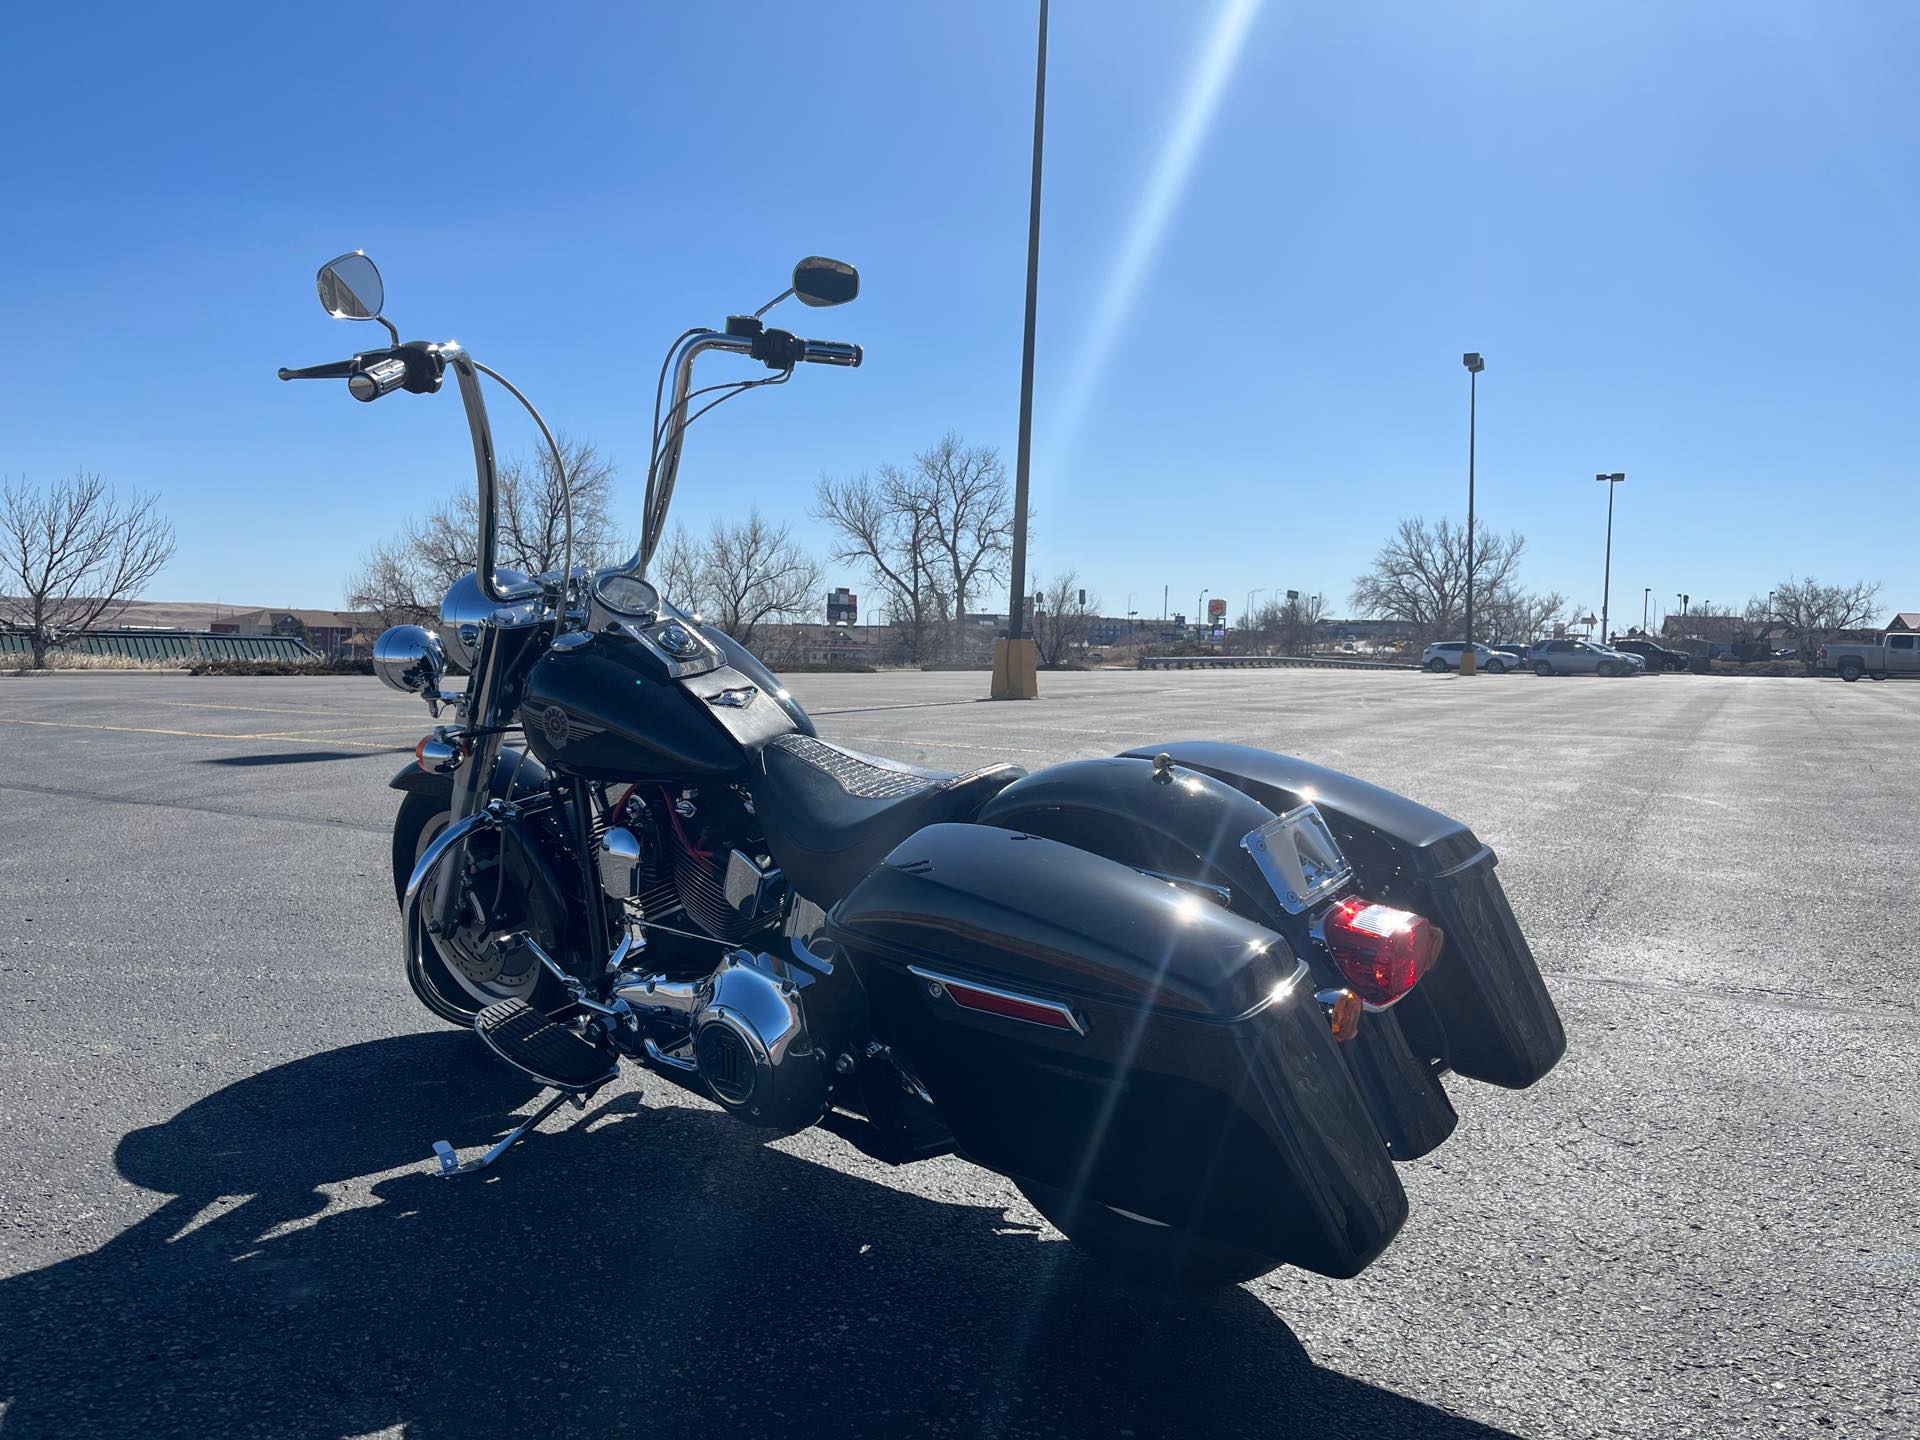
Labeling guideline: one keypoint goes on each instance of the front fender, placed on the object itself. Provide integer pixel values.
(513, 768)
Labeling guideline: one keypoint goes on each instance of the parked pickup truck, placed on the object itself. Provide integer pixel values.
(1896, 653)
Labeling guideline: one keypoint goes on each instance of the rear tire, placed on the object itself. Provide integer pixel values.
(1145, 1250)
(1496, 667)
(1437, 666)
(1850, 670)
(1542, 669)
(1606, 668)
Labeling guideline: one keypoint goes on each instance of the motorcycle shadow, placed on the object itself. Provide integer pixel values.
(649, 1268)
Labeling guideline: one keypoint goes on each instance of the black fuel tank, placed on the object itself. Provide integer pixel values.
(605, 709)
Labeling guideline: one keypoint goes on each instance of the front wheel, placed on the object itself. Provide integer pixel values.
(1437, 666)
(1607, 668)
(1144, 1250)
(1496, 667)
(1850, 670)
(464, 973)
(1542, 669)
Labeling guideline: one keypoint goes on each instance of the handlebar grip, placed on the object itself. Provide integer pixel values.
(381, 377)
(332, 370)
(830, 352)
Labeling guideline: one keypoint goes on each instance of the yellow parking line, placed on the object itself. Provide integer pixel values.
(192, 734)
(269, 709)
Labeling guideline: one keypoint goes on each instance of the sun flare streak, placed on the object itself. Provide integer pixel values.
(1207, 86)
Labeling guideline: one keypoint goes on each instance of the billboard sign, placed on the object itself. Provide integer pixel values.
(1216, 609)
(843, 607)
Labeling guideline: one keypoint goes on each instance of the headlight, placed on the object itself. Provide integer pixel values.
(463, 610)
(410, 659)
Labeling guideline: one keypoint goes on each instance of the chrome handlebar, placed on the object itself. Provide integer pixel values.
(777, 349)
(666, 471)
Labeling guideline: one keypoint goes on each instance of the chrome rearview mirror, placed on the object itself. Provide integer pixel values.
(820, 281)
(411, 660)
(351, 288)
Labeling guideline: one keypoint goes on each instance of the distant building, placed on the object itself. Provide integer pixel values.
(326, 632)
(1905, 620)
(1111, 630)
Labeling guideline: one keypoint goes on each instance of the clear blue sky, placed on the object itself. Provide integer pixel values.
(1684, 235)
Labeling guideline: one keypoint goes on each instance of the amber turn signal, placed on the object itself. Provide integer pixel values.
(1344, 1009)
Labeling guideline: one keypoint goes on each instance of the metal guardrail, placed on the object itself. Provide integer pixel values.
(1268, 662)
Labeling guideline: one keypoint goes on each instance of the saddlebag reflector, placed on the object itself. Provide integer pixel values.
(1197, 1084)
(1485, 1011)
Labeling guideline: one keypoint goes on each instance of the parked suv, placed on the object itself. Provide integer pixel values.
(1445, 655)
(1582, 657)
(1658, 657)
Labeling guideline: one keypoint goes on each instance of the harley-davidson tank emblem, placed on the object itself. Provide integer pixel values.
(557, 725)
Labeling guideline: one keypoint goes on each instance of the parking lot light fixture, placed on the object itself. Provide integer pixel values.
(1474, 365)
(1606, 580)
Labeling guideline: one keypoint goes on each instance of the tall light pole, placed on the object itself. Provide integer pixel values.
(1200, 610)
(1014, 677)
(1474, 365)
(1606, 579)
(1248, 612)
(1646, 602)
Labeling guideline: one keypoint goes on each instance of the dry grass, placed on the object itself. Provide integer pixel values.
(75, 660)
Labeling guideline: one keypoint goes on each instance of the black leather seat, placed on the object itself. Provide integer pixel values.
(830, 814)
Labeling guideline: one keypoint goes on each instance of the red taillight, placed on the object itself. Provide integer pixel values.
(1383, 952)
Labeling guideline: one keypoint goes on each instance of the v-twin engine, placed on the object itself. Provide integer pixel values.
(742, 1032)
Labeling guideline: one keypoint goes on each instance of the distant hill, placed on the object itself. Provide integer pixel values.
(180, 614)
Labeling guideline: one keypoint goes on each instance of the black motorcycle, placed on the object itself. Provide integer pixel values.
(1195, 1000)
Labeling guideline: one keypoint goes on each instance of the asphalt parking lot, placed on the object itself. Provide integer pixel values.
(217, 1094)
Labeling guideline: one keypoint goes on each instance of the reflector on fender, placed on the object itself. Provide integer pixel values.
(1382, 951)
(988, 1000)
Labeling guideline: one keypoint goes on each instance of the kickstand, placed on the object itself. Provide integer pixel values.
(451, 1164)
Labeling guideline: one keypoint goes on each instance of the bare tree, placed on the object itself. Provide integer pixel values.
(1420, 575)
(751, 572)
(1811, 611)
(880, 522)
(409, 573)
(930, 537)
(970, 509)
(1289, 622)
(1063, 618)
(394, 586)
(1522, 616)
(74, 555)
(676, 570)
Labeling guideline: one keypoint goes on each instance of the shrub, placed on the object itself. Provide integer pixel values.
(1759, 667)
(280, 667)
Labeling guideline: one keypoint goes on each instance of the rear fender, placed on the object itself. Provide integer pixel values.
(1485, 1011)
(1187, 826)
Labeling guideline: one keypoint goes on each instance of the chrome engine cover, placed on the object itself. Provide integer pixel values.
(746, 1037)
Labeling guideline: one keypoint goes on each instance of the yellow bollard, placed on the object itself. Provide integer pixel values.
(1016, 670)
(1467, 663)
